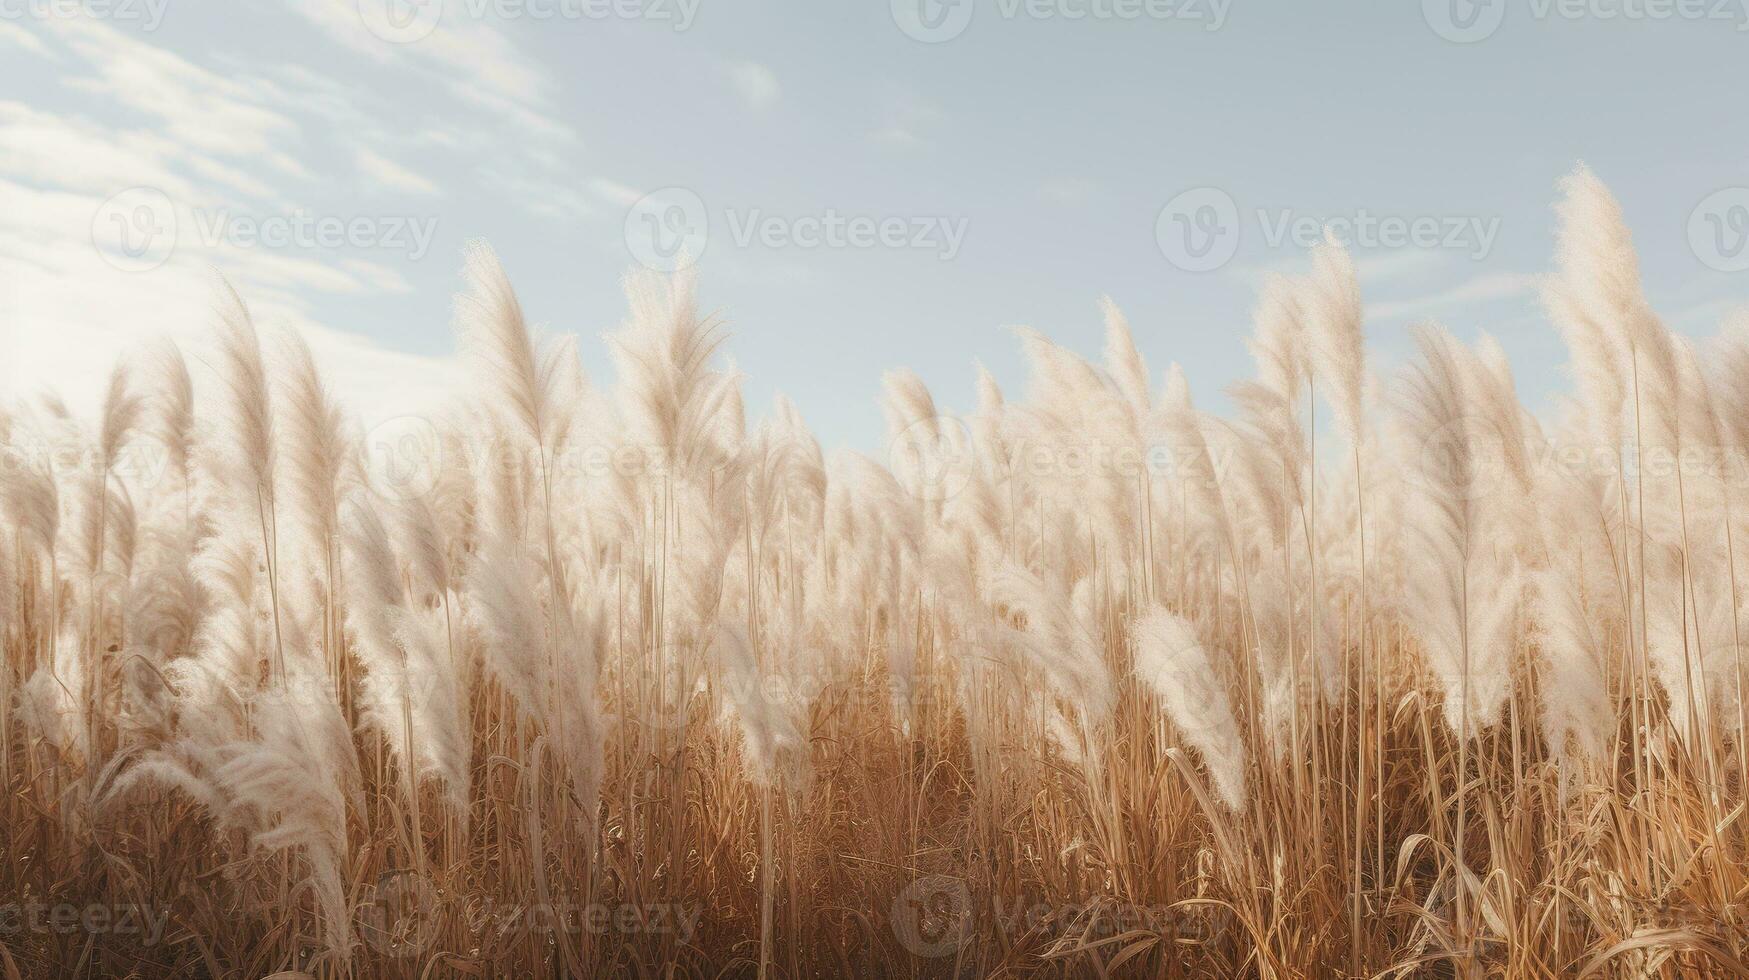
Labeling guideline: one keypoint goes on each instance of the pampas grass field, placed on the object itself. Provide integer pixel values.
(1381, 676)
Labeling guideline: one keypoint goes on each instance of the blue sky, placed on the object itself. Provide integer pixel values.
(1019, 160)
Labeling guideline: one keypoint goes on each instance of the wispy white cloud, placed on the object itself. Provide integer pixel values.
(207, 143)
(1372, 268)
(14, 35)
(63, 303)
(1378, 268)
(552, 199)
(615, 193)
(195, 107)
(505, 118)
(79, 154)
(906, 119)
(1479, 289)
(377, 277)
(386, 173)
(471, 57)
(1068, 190)
(756, 84)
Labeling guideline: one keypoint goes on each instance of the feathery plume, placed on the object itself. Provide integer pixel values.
(1171, 661)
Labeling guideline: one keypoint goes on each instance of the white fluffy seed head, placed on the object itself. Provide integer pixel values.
(1171, 661)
